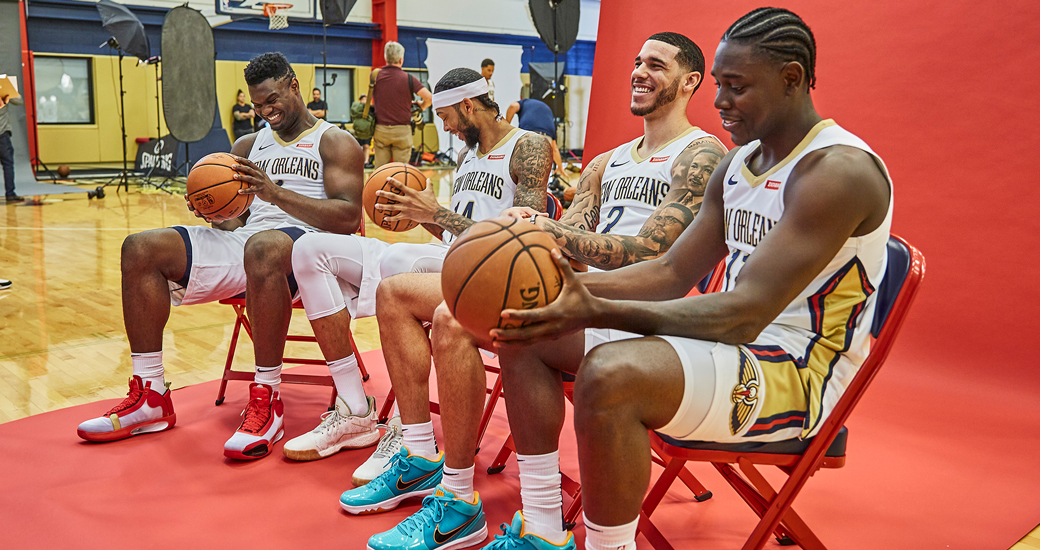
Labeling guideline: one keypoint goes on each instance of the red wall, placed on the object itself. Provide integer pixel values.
(947, 94)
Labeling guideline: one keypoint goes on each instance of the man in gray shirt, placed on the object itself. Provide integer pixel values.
(6, 149)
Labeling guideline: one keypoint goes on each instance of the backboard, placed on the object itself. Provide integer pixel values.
(302, 9)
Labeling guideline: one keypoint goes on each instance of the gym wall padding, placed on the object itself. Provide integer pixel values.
(947, 94)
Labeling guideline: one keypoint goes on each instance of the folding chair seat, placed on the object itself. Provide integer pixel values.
(799, 459)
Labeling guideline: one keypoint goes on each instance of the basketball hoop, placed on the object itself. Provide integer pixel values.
(277, 20)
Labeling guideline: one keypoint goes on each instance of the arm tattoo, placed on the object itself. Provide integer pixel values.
(584, 210)
(451, 222)
(529, 167)
(690, 175)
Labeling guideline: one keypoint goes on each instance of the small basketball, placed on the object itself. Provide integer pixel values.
(63, 171)
(405, 174)
(568, 194)
(213, 189)
(498, 264)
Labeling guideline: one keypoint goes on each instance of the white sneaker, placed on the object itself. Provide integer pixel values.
(339, 429)
(379, 462)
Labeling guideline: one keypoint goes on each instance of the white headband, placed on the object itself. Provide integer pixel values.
(447, 98)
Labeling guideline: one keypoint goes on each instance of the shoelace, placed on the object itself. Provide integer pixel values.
(256, 415)
(132, 397)
(431, 513)
(328, 420)
(506, 540)
(397, 467)
(390, 443)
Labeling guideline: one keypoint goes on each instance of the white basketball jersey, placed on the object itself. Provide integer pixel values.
(295, 165)
(825, 331)
(632, 186)
(482, 187)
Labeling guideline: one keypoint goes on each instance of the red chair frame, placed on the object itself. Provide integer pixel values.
(775, 508)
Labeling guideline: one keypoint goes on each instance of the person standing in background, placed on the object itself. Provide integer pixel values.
(487, 68)
(243, 116)
(366, 144)
(7, 149)
(317, 107)
(393, 93)
(536, 116)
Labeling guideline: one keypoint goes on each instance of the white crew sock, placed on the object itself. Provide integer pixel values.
(459, 482)
(347, 377)
(150, 368)
(542, 496)
(419, 440)
(271, 376)
(616, 537)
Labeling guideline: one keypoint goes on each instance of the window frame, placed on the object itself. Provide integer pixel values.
(90, 90)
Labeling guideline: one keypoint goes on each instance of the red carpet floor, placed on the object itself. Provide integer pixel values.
(913, 480)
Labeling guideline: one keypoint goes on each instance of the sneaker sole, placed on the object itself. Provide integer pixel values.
(468, 540)
(313, 454)
(240, 455)
(386, 505)
(161, 425)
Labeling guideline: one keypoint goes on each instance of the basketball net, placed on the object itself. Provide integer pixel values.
(277, 20)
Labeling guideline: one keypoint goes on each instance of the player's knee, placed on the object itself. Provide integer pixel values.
(140, 250)
(268, 252)
(389, 295)
(447, 332)
(308, 256)
(606, 381)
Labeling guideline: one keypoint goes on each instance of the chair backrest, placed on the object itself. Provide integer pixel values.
(553, 206)
(903, 276)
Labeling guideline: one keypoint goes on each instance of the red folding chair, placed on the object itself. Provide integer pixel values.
(799, 459)
(242, 322)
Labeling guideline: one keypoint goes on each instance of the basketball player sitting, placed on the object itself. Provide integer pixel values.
(501, 167)
(306, 175)
(801, 213)
(631, 204)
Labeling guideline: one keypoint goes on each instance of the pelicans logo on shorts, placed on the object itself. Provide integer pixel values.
(745, 394)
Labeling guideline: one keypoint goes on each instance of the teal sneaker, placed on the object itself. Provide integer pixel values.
(514, 537)
(408, 476)
(444, 522)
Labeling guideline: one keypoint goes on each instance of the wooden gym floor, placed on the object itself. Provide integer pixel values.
(62, 340)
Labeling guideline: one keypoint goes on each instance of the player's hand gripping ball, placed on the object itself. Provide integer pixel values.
(213, 189)
(498, 264)
(404, 174)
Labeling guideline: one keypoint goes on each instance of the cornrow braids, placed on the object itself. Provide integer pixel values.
(779, 33)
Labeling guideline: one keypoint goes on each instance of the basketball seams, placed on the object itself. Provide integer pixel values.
(369, 199)
(212, 186)
(476, 268)
(526, 250)
(478, 237)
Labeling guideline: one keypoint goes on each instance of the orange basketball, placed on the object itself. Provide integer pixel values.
(213, 189)
(405, 174)
(498, 264)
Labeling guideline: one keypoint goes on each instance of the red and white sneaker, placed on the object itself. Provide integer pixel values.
(261, 425)
(143, 411)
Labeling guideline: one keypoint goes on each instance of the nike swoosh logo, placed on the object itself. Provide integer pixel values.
(403, 485)
(262, 147)
(615, 165)
(441, 538)
(732, 180)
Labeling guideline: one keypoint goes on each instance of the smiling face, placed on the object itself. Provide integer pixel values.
(752, 94)
(456, 121)
(656, 77)
(277, 101)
